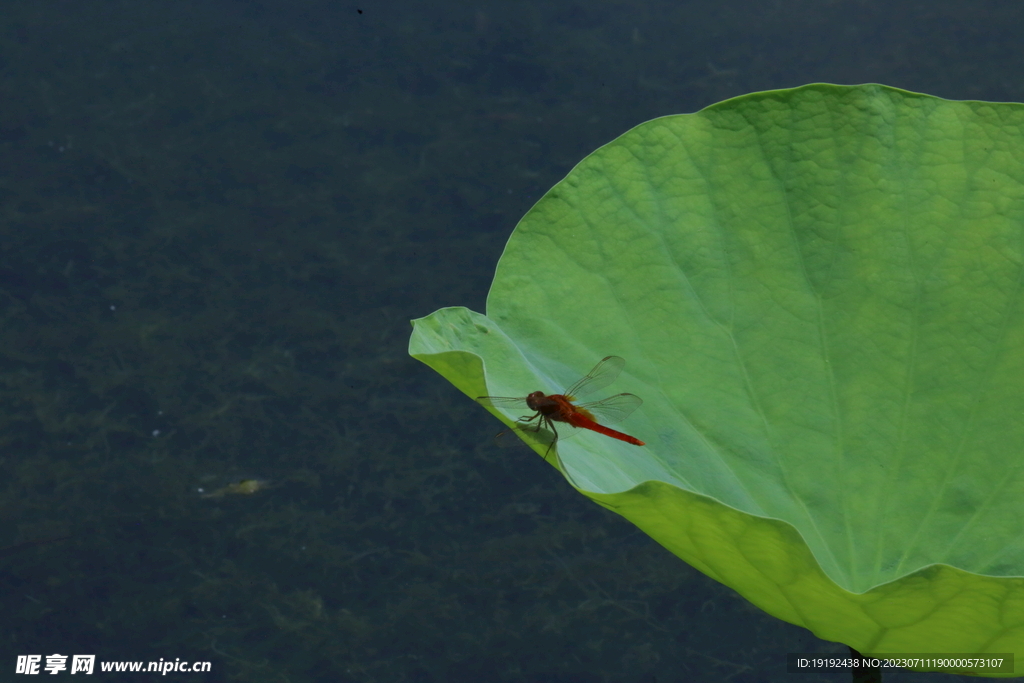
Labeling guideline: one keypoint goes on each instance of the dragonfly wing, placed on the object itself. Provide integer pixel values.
(603, 374)
(614, 408)
(508, 403)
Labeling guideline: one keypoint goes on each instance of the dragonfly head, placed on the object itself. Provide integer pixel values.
(538, 400)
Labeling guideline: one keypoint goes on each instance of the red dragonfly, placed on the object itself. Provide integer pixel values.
(551, 408)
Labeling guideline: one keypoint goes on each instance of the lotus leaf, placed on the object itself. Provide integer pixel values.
(820, 296)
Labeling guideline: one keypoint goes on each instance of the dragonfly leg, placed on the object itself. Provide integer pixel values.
(561, 465)
(550, 425)
(531, 427)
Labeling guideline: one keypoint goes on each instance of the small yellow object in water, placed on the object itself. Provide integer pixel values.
(245, 487)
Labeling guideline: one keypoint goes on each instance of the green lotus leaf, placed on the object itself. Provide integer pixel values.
(818, 293)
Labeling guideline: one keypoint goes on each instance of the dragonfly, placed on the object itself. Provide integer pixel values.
(559, 411)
